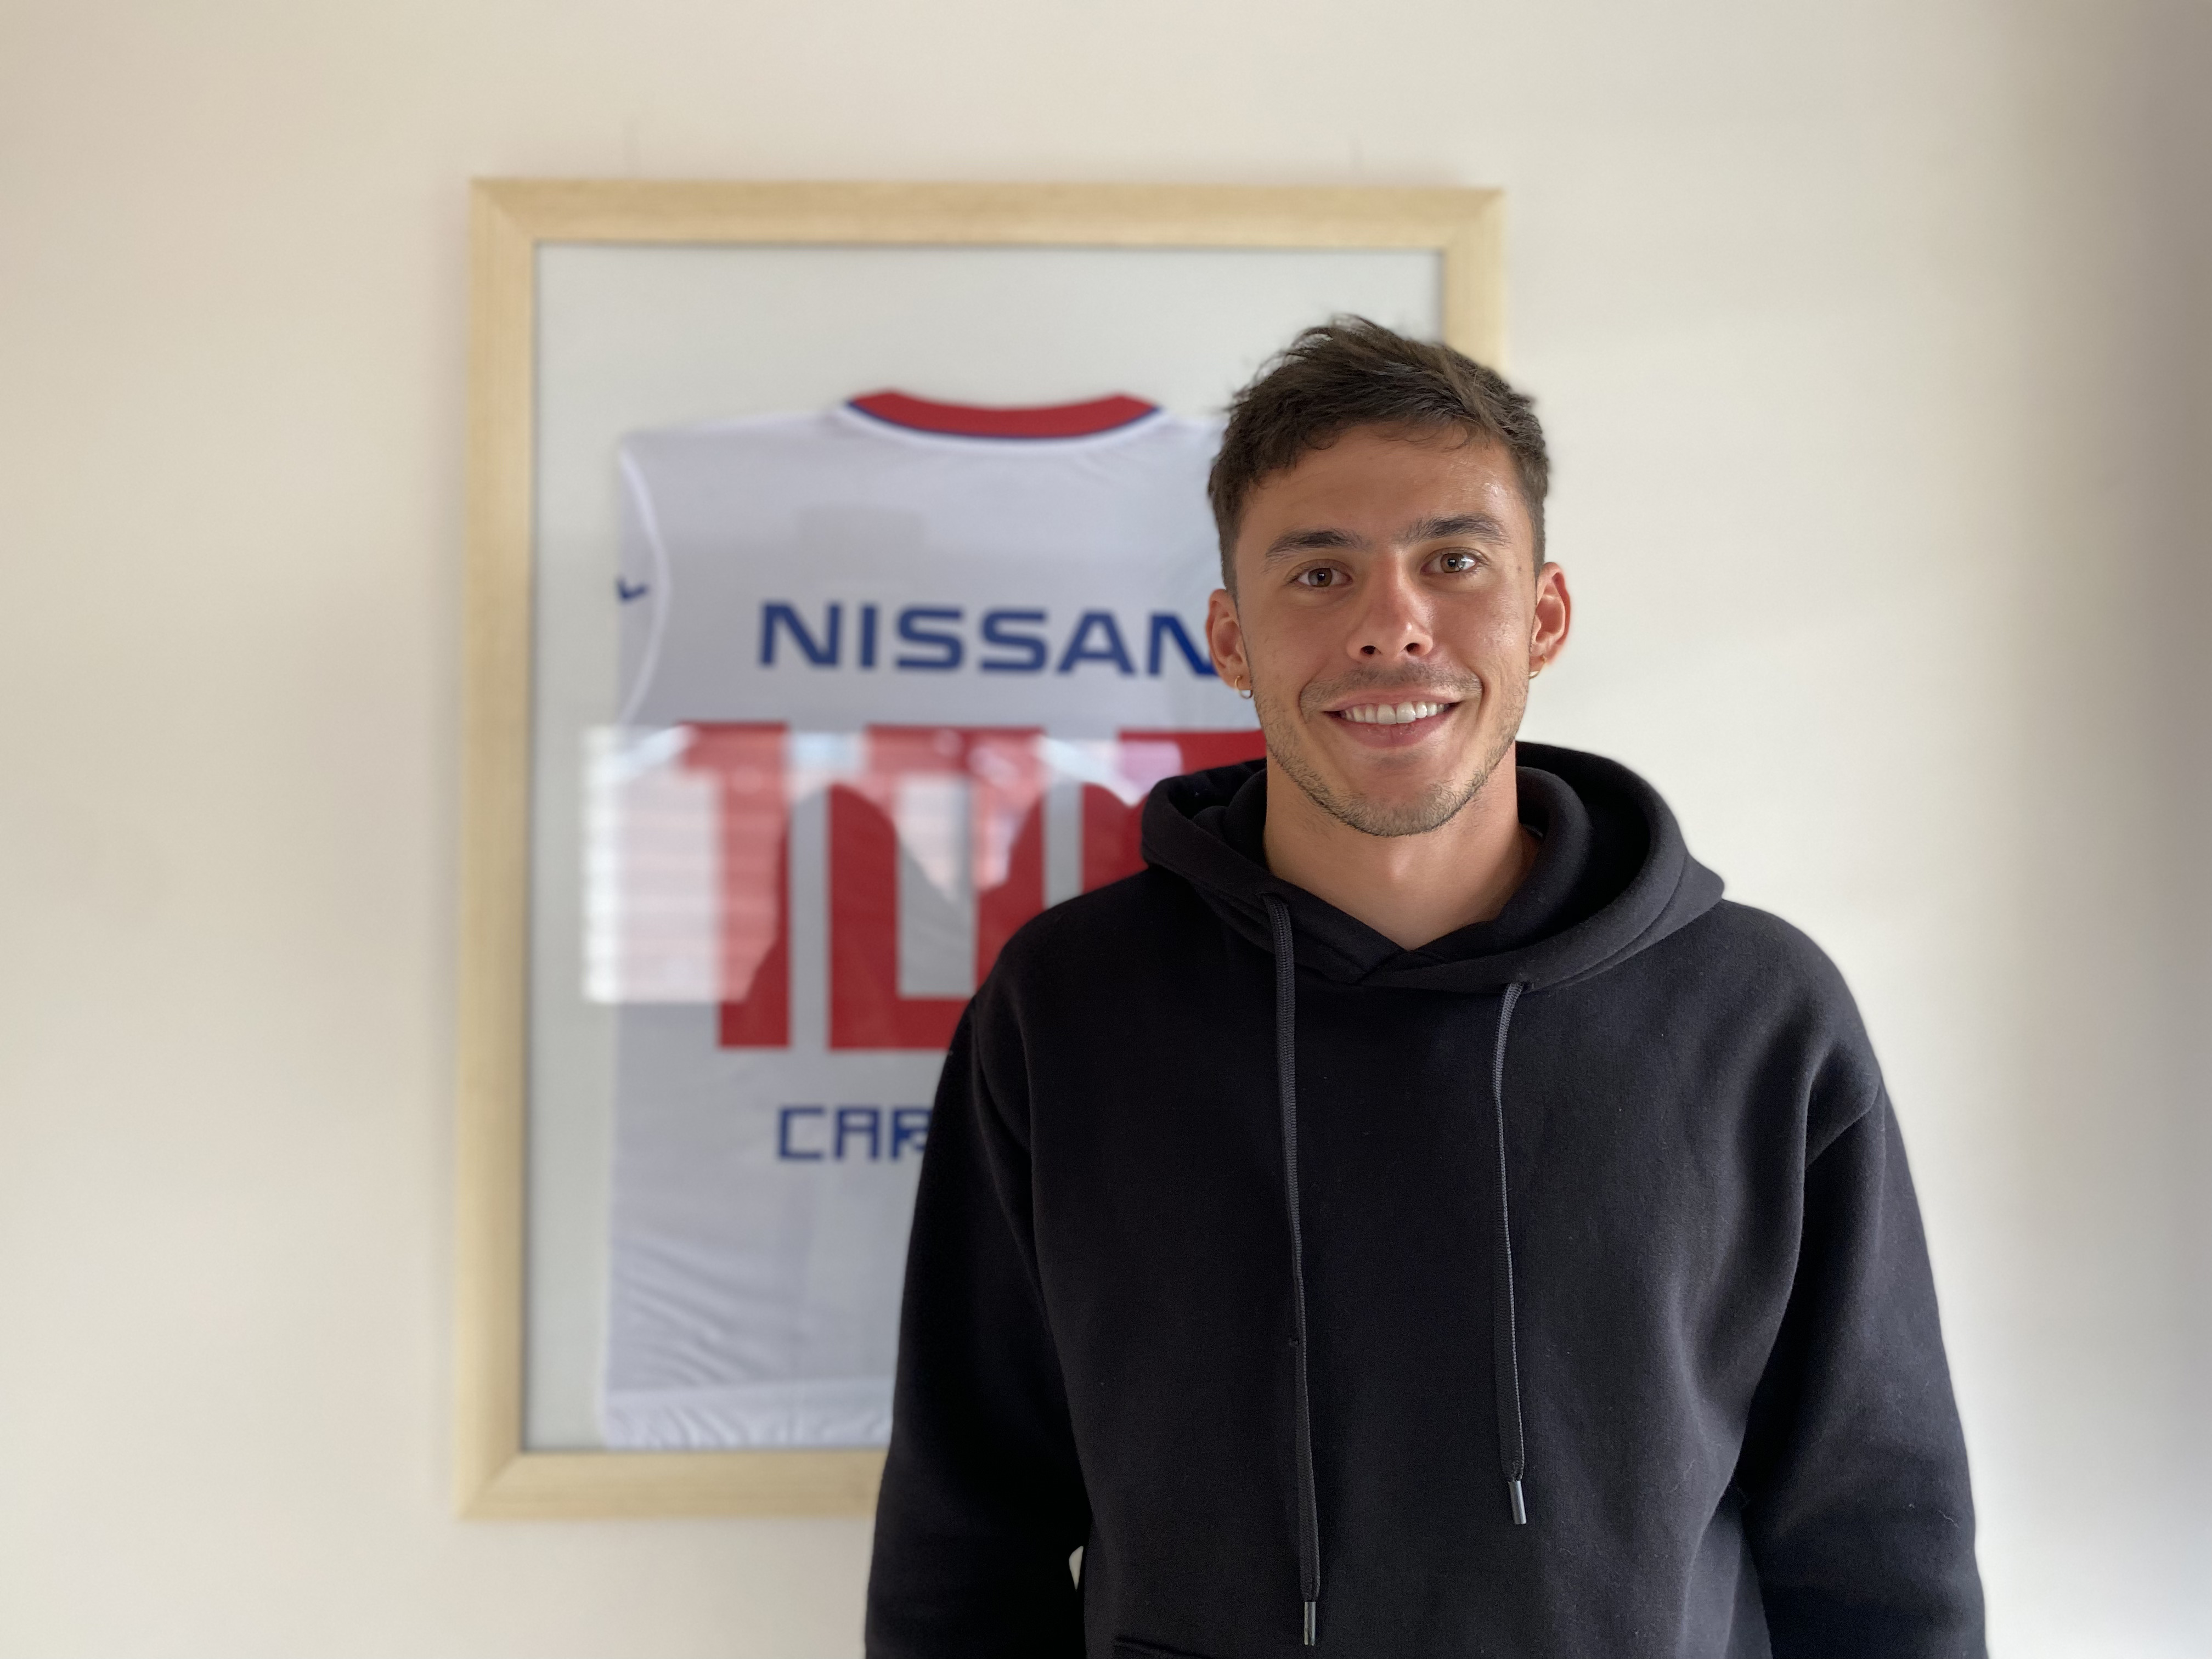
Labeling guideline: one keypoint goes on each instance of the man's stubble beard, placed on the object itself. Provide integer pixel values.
(1432, 809)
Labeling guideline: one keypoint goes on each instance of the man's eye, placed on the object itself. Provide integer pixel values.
(1320, 576)
(1456, 561)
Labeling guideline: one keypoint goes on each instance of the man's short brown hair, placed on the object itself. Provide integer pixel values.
(1351, 373)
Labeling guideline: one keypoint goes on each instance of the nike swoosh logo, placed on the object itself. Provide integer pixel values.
(626, 593)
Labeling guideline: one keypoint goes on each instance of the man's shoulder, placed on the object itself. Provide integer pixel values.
(1122, 924)
(1769, 982)
(1129, 928)
(1750, 969)
(1743, 939)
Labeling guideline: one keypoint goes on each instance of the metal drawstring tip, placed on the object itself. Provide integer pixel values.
(1520, 1509)
(1313, 1621)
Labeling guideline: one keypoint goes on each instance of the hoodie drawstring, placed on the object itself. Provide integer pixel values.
(1287, 1031)
(1504, 1335)
(1504, 1338)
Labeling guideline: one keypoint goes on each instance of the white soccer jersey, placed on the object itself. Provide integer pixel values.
(893, 675)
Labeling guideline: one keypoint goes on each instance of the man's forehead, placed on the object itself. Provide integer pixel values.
(1374, 486)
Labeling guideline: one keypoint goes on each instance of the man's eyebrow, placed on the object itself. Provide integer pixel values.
(1312, 541)
(1472, 526)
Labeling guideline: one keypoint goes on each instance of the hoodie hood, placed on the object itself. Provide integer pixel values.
(1613, 878)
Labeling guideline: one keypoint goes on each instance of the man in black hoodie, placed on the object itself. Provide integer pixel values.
(1416, 1216)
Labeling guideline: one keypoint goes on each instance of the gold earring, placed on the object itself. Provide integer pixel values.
(1245, 692)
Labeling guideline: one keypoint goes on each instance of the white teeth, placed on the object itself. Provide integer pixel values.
(1383, 713)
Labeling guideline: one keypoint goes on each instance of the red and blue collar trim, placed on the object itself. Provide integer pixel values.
(1085, 420)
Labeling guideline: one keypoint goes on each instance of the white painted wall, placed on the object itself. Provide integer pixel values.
(1874, 340)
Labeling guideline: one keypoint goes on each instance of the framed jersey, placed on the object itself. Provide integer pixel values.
(838, 560)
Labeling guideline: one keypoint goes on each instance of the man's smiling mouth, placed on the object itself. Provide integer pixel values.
(1390, 714)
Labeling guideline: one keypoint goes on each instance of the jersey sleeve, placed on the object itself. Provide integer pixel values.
(640, 591)
(982, 1499)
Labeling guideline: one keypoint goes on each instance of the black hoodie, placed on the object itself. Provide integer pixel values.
(1555, 1289)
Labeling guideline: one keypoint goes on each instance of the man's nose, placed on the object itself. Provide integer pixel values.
(1393, 626)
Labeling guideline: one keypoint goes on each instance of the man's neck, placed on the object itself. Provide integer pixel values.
(1410, 888)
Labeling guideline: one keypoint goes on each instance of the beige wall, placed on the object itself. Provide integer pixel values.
(1874, 340)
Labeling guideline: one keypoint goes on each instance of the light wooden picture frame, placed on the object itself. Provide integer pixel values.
(498, 1471)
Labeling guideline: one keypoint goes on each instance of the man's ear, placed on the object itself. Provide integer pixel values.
(1225, 637)
(1554, 616)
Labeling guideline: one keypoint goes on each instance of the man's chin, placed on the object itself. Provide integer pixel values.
(1393, 818)
(1402, 807)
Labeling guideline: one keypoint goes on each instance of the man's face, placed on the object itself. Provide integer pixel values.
(1388, 614)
